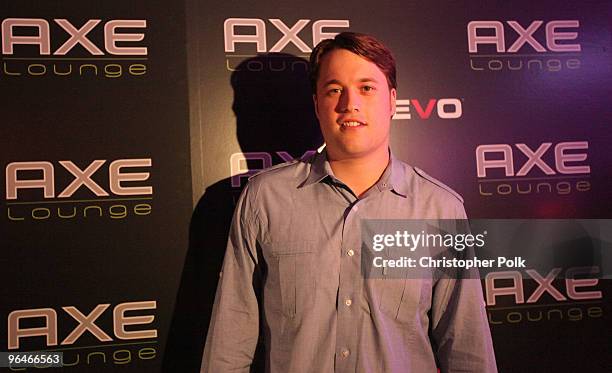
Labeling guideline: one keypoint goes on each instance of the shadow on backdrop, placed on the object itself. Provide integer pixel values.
(274, 112)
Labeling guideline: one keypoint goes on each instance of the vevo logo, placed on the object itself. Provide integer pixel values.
(524, 36)
(445, 108)
(290, 34)
(76, 36)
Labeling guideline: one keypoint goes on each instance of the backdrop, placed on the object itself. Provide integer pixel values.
(130, 129)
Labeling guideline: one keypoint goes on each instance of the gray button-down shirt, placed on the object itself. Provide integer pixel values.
(292, 275)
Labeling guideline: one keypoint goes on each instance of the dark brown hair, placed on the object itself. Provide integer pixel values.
(363, 45)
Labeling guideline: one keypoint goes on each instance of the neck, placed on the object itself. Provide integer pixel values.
(361, 173)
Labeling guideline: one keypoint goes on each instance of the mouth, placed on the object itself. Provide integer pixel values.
(351, 123)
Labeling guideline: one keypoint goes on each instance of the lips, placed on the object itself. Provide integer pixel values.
(350, 123)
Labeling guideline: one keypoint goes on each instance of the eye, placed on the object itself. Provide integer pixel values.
(334, 91)
(368, 88)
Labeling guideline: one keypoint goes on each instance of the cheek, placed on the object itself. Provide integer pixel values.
(327, 109)
(383, 107)
(326, 102)
(326, 117)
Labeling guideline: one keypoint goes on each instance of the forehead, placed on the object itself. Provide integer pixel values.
(346, 66)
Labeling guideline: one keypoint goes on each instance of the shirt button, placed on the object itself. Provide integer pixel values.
(345, 353)
(348, 302)
(384, 185)
(350, 252)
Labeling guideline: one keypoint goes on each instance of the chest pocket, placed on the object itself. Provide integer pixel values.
(405, 300)
(295, 271)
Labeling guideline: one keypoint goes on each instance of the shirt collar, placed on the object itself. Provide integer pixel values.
(319, 169)
(393, 178)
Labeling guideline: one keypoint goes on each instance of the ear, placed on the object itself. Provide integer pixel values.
(316, 104)
(392, 98)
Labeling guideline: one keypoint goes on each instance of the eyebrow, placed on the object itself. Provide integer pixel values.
(331, 81)
(362, 80)
(368, 80)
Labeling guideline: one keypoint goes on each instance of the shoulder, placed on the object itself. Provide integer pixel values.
(282, 172)
(269, 185)
(276, 170)
(280, 179)
(434, 199)
(428, 182)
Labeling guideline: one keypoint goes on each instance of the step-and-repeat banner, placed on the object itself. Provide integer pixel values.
(129, 130)
(96, 180)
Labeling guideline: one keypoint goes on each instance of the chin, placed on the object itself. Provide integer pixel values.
(353, 151)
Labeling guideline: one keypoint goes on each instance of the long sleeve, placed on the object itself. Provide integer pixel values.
(460, 331)
(234, 326)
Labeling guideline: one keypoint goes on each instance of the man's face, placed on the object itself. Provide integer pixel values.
(354, 105)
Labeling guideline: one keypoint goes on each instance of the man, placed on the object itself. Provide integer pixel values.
(291, 275)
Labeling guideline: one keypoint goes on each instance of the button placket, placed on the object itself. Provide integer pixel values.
(349, 273)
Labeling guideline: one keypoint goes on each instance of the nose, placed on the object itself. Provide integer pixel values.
(349, 101)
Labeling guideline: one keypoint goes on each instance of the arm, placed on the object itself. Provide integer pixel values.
(234, 326)
(460, 330)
